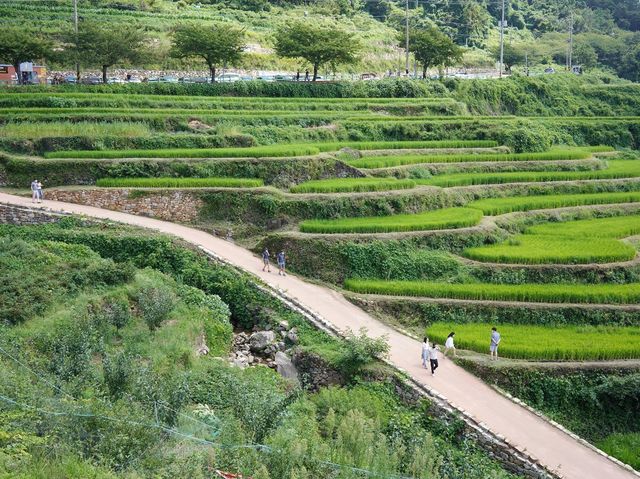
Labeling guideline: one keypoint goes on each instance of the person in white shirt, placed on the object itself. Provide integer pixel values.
(433, 358)
(495, 341)
(425, 352)
(449, 346)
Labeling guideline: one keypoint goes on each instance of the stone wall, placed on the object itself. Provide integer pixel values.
(17, 215)
(171, 205)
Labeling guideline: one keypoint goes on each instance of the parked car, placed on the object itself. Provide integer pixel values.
(113, 80)
(90, 80)
(549, 70)
(134, 80)
(70, 79)
(268, 78)
(229, 77)
(167, 79)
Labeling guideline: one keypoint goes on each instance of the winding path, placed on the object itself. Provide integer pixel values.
(555, 449)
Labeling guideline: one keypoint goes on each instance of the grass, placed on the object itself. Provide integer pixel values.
(249, 152)
(529, 292)
(623, 446)
(23, 130)
(615, 169)
(429, 220)
(180, 182)
(560, 343)
(347, 185)
(496, 206)
(572, 242)
(391, 161)
(397, 145)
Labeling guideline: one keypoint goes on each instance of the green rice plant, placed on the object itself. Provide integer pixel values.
(348, 185)
(179, 182)
(623, 446)
(397, 145)
(391, 161)
(428, 220)
(615, 169)
(572, 242)
(557, 343)
(530, 292)
(497, 206)
(32, 130)
(249, 152)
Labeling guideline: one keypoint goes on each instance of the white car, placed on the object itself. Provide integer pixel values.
(229, 77)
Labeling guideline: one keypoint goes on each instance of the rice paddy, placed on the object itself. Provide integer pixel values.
(179, 182)
(529, 292)
(429, 220)
(559, 343)
(497, 206)
(571, 242)
(353, 185)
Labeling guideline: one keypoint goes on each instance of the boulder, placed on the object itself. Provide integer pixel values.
(260, 340)
(285, 367)
(293, 336)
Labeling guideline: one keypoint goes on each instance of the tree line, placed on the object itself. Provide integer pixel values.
(317, 44)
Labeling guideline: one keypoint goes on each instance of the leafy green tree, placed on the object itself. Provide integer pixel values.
(18, 45)
(319, 44)
(432, 48)
(101, 44)
(217, 44)
(585, 55)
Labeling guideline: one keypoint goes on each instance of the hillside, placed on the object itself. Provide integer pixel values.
(604, 33)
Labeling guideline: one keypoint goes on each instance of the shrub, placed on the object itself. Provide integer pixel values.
(155, 304)
(625, 447)
(359, 351)
(117, 372)
(116, 311)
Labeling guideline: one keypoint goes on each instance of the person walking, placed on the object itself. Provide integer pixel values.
(495, 341)
(449, 346)
(34, 191)
(281, 263)
(39, 191)
(425, 352)
(306, 75)
(433, 358)
(298, 75)
(265, 260)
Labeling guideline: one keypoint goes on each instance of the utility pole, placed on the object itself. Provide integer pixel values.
(406, 32)
(502, 41)
(75, 29)
(415, 61)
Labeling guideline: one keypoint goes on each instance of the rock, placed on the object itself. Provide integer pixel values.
(285, 367)
(293, 336)
(283, 325)
(261, 339)
(241, 361)
(281, 346)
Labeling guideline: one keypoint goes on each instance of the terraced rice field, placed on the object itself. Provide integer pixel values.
(498, 206)
(572, 242)
(614, 169)
(529, 292)
(560, 343)
(179, 182)
(430, 220)
(350, 185)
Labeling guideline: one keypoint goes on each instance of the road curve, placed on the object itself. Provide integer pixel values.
(555, 449)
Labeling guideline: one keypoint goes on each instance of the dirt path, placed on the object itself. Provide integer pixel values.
(554, 448)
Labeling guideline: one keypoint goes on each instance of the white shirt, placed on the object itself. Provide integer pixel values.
(433, 353)
(449, 342)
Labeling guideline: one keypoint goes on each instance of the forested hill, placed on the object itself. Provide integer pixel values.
(606, 33)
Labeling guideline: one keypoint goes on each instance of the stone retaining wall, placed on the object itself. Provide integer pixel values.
(178, 206)
(17, 215)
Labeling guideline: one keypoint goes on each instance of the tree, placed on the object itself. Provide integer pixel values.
(432, 48)
(585, 55)
(514, 54)
(105, 46)
(18, 45)
(217, 45)
(319, 44)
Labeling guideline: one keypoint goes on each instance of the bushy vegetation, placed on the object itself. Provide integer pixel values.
(179, 182)
(547, 293)
(346, 185)
(430, 220)
(583, 241)
(623, 446)
(559, 343)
